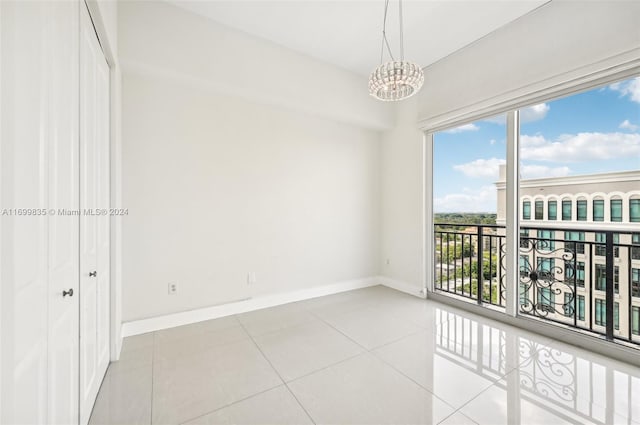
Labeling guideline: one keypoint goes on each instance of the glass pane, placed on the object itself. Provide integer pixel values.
(616, 210)
(634, 210)
(582, 210)
(598, 210)
(539, 210)
(526, 210)
(552, 210)
(566, 210)
(468, 178)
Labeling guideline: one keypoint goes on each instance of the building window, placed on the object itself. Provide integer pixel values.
(616, 316)
(566, 210)
(546, 264)
(526, 210)
(635, 320)
(552, 210)
(601, 312)
(539, 213)
(581, 210)
(580, 307)
(634, 210)
(569, 237)
(568, 304)
(635, 282)
(546, 299)
(601, 277)
(524, 238)
(635, 251)
(598, 210)
(545, 240)
(616, 210)
(601, 238)
(577, 276)
(524, 295)
(524, 266)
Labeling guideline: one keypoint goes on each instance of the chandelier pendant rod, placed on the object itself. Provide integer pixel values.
(385, 42)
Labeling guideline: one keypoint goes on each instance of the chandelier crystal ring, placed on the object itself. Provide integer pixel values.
(394, 80)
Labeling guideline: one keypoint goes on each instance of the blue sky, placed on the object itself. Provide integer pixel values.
(591, 132)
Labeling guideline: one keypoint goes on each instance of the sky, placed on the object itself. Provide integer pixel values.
(591, 132)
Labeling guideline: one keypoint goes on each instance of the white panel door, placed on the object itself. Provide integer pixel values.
(63, 231)
(94, 224)
(38, 251)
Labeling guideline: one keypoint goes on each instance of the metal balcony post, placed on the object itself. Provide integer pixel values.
(480, 276)
(609, 284)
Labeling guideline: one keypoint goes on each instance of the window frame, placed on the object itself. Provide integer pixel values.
(634, 210)
(598, 206)
(511, 107)
(581, 210)
(526, 210)
(618, 202)
(567, 206)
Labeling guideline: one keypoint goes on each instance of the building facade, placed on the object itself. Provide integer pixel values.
(564, 222)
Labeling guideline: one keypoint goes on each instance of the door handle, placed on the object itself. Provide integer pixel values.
(93, 274)
(69, 292)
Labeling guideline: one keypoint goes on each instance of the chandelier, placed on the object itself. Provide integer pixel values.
(394, 80)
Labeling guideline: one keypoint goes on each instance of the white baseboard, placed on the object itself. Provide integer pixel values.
(406, 287)
(137, 327)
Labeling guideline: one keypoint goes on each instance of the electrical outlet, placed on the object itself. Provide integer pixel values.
(251, 278)
(173, 288)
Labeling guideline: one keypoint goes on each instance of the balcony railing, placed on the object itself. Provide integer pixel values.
(586, 279)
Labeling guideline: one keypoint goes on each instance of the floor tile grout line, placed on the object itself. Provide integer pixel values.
(415, 382)
(279, 376)
(325, 367)
(342, 333)
(459, 409)
(232, 403)
(458, 412)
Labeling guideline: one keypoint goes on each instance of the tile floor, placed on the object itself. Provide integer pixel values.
(370, 356)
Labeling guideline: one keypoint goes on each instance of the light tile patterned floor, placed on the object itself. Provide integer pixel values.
(371, 356)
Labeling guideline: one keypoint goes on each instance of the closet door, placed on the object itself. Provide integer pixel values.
(38, 241)
(94, 221)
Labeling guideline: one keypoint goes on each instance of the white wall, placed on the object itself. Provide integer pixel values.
(161, 38)
(556, 43)
(219, 185)
(401, 204)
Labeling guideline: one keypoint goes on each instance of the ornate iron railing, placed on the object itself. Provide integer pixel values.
(582, 278)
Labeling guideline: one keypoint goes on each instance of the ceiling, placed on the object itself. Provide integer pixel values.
(347, 33)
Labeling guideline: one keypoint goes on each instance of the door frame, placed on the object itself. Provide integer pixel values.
(96, 9)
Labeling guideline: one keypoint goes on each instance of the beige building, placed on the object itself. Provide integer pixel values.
(563, 221)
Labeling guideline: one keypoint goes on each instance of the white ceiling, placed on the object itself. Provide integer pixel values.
(347, 33)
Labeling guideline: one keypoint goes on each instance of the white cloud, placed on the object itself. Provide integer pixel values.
(626, 125)
(498, 119)
(580, 147)
(529, 114)
(482, 199)
(484, 168)
(533, 171)
(534, 113)
(492, 142)
(462, 128)
(629, 88)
